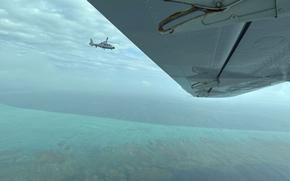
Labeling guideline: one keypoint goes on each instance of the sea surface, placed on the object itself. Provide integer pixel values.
(48, 146)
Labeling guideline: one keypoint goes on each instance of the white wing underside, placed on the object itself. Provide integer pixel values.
(196, 57)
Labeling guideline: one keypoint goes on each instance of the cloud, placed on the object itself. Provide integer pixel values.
(146, 83)
(61, 30)
(44, 47)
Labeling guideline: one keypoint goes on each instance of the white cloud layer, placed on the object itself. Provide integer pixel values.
(45, 46)
(62, 28)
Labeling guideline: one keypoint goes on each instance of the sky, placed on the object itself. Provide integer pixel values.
(44, 46)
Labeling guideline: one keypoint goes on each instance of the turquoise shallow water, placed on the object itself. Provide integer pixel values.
(37, 145)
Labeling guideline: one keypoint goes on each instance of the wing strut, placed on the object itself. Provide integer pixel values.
(242, 34)
(236, 45)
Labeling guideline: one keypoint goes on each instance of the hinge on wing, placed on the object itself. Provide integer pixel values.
(194, 8)
(205, 84)
(204, 88)
(199, 16)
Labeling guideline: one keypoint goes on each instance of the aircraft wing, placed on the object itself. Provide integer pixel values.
(217, 49)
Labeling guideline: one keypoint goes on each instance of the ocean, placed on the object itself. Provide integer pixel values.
(48, 146)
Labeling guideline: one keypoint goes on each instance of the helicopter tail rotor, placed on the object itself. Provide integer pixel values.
(91, 42)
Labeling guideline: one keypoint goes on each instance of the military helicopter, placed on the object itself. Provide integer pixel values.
(104, 44)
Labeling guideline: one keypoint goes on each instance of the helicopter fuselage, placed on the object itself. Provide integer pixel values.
(104, 45)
